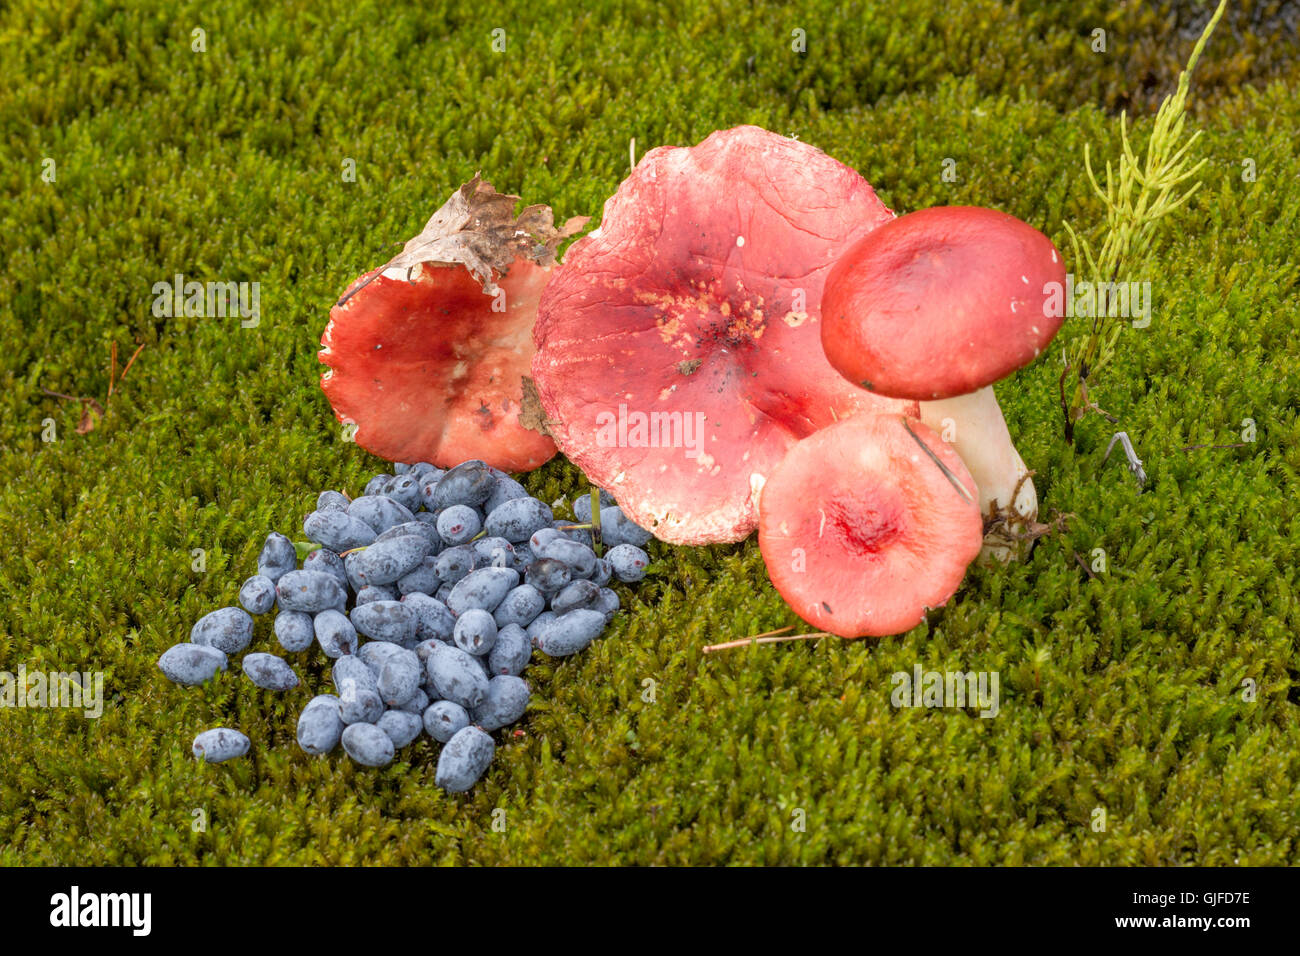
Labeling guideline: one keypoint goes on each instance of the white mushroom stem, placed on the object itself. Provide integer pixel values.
(974, 426)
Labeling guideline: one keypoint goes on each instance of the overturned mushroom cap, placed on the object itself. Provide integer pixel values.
(942, 302)
(678, 346)
(868, 523)
(427, 354)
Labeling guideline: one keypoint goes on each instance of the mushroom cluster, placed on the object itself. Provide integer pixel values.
(870, 522)
(750, 339)
(936, 306)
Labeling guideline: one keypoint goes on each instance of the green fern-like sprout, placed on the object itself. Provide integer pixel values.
(1139, 195)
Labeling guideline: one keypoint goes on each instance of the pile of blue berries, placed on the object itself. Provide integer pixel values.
(429, 592)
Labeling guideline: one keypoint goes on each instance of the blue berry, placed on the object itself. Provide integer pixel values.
(402, 727)
(444, 719)
(494, 552)
(376, 592)
(326, 562)
(386, 621)
(628, 561)
(368, 745)
(379, 512)
(578, 594)
(484, 589)
(257, 594)
(459, 524)
(542, 536)
(401, 468)
(428, 486)
(580, 558)
(269, 672)
(517, 519)
(310, 591)
(602, 573)
(422, 579)
(319, 725)
(511, 652)
(424, 527)
(336, 530)
(469, 483)
(377, 484)
(608, 603)
(385, 561)
(332, 501)
(228, 629)
(354, 670)
(454, 563)
(419, 701)
(456, 676)
(424, 470)
(505, 703)
(335, 633)
(220, 744)
(373, 654)
(569, 633)
(359, 705)
(399, 678)
(422, 651)
(475, 632)
(582, 505)
(617, 528)
(277, 557)
(294, 630)
(405, 490)
(539, 623)
(505, 489)
(548, 575)
(191, 664)
(433, 620)
(463, 760)
(520, 606)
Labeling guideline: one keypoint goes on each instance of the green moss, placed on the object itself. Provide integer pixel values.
(1120, 692)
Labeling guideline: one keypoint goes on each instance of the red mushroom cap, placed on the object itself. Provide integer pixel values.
(862, 530)
(427, 354)
(696, 304)
(941, 302)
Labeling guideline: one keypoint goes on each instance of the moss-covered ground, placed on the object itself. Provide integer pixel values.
(1125, 692)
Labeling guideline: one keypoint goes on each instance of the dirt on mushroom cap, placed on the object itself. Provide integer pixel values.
(679, 354)
(862, 530)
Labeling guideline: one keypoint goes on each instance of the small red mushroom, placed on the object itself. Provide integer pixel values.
(427, 353)
(867, 523)
(937, 306)
(678, 351)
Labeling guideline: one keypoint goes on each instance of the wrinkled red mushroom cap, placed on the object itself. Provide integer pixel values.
(861, 530)
(429, 372)
(696, 305)
(941, 302)
(427, 354)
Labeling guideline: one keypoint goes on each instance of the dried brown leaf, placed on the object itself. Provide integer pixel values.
(478, 229)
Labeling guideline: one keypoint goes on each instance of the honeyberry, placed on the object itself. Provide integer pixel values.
(220, 744)
(228, 629)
